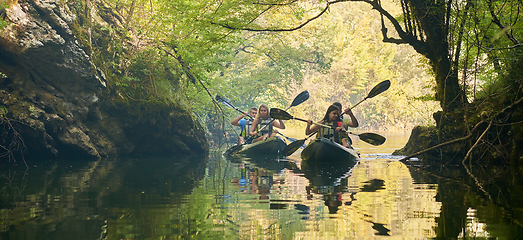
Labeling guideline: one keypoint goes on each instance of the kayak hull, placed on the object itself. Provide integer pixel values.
(322, 150)
(269, 146)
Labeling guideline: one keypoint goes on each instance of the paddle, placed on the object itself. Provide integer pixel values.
(381, 87)
(369, 137)
(228, 103)
(277, 113)
(302, 97)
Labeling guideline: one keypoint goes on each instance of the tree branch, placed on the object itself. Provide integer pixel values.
(469, 152)
(496, 21)
(278, 29)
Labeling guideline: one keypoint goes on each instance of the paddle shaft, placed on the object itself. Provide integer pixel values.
(319, 124)
(242, 112)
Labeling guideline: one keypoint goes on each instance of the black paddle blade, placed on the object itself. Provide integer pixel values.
(372, 138)
(292, 147)
(224, 101)
(233, 150)
(381, 87)
(302, 97)
(277, 113)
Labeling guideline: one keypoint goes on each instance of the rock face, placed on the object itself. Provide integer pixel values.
(55, 102)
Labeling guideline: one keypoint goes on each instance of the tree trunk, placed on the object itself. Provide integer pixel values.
(431, 17)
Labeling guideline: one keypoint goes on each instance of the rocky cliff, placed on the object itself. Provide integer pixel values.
(55, 102)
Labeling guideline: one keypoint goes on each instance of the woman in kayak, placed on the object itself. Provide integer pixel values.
(336, 132)
(259, 128)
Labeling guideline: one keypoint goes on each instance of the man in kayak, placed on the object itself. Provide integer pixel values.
(259, 128)
(336, 132)
(244, 121)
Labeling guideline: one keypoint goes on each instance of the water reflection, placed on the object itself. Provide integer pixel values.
(254, 198)
(92, 200)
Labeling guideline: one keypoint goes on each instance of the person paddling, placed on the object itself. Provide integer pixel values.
(331, 118)
(245, 123)
(262, 119)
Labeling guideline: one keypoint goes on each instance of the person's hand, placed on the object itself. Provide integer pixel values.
(245, 114)
(309, 122)
(339, 129)
(347, 111)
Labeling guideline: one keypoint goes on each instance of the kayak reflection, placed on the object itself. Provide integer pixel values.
(328, 179)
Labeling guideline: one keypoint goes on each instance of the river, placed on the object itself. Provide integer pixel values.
(211, 197)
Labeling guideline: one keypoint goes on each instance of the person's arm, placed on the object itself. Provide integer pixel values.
(236, 121)
(345, 143)
(341, 130)
(309, 129)
(279, 124)
(353, 121)
(252, 131)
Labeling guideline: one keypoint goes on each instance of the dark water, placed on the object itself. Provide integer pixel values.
(217, 198)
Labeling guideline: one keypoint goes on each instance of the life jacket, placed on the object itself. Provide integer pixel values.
(330, 133)
(246, 128)
(261, 124)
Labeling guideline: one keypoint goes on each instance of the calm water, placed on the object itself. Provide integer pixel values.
(218, 198)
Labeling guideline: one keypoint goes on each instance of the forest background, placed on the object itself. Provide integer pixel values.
(267, 52)
(178, 51)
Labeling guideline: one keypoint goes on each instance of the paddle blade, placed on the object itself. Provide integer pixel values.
(220, 98)
(277, 113)
(381, 87)
(224, 101)
(233, 150)
(372, 138)
(302, 97)
(292, 147)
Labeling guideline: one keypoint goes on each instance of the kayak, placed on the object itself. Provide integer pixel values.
(269, 146)
(322, 150)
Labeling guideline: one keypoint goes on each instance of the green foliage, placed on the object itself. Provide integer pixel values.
(3, 111)
(3, 23)
(505, 87)
(158, 49)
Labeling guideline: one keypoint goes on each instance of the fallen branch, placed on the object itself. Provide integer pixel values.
(443, 144)
(475, 144)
